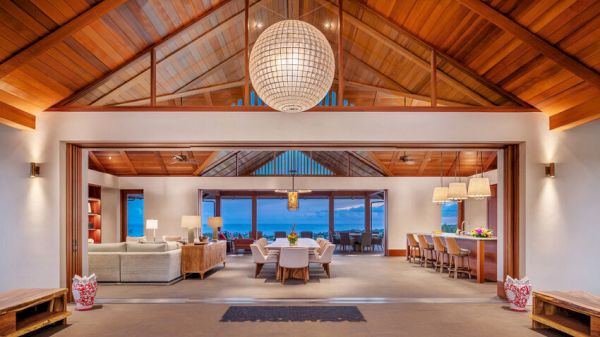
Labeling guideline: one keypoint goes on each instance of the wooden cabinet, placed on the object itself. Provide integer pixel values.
(572, 312)
(202, 258)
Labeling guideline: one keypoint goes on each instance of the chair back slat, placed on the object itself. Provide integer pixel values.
(453, 247)
(423, 241)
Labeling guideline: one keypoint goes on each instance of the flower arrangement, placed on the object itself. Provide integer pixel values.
(293, 236)
(482, 233)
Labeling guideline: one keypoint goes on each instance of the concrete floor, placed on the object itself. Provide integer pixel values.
(395, 297)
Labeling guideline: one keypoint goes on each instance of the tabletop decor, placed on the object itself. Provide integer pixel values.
(293, 236)
(517, 292)
(482, 233)
(84, 291)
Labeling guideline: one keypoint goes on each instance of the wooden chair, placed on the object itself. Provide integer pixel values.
(413, 253)
(306, 234)
(457, 253)
(366, 241)
(280, 235)
(345, 240)
(293, 258)
(441, 254)
(427, 255)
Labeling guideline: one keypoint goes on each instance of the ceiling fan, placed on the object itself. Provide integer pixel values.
(182, 158)
(407, 159)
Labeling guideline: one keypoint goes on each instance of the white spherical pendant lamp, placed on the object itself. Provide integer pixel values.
(292, 66)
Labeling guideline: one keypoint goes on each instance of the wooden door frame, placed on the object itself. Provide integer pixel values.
(73, 215)
(124, 193)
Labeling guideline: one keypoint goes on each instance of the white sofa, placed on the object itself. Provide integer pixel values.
(135, 262)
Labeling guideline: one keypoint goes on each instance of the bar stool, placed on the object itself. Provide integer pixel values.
(414, 252)
(427, 255)
(457, 253)
(441, 254)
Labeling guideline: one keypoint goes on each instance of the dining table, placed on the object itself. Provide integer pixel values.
(284, 243)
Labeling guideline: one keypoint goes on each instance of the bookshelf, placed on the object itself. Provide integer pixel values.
(95, 213)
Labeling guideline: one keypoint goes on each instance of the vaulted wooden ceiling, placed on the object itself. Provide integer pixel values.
(421, 163)
(496, 55)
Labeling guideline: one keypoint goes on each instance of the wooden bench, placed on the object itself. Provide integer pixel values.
(26, 310)
(572, 312)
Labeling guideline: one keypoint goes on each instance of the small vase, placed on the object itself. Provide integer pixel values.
(84, 291)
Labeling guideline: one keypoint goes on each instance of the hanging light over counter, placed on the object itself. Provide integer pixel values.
(457, 191)
(440, 193)
(479, 187)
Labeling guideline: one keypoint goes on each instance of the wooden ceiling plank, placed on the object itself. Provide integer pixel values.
(417, 60)
(369, 162)
(58, 35)
(188, 93)
(211, 162)
(340, 52)
(381, 165)
(16, 118)
(194, 164)
(246, 55)
(424, 163)
(127, 161)
(489, 162)
(85, 90)
(399, 93)
(534, 41)
(161, 162)
(97, 162)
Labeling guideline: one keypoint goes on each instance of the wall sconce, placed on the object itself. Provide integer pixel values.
(550, 170)
(34, 170)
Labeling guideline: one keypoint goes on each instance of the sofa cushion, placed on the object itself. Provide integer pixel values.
(107, 247)
(146, 247)
(172, 245)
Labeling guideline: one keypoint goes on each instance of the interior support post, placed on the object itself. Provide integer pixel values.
(368, 213)
(511, 211)
(340, 50)
(254, 216)
(246, 55)
(331, 216)
(217, 205)
(74, 213)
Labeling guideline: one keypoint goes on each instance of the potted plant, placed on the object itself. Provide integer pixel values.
(293, 236)
(482, 233)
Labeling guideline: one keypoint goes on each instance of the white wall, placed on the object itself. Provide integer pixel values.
(409, 199)
(111, 208)
(559, 215)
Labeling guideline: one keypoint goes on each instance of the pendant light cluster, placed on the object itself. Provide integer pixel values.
(479, 187)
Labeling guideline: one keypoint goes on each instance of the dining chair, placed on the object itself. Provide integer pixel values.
(293, 258)
(324, 258)
(306, 234)
(258, 235)
(334, 238)
(366, 241)
(457, 253)
(261, 257)
(440, 254)
(280, 234)
(414, 253)
(345, 240)
(378, 241)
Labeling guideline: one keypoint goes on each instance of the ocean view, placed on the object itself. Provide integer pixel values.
(269, 229)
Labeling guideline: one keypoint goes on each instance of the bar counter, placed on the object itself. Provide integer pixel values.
(483, 256)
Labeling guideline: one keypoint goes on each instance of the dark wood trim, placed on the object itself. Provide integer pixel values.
(499, 109)
(500, 289)
(433, 78)
(511, 211)
(124, 194)
(55, 37)
(74, 214)
(340, 52)
(331, 213)
(153, 77)
(16, 118)
(575, 116)
(461, 215)
(396, 252)
(531, 39)
(368, 223)
(246, 55)
(218, 205)
(254, 216)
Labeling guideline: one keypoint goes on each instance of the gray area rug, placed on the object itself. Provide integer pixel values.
(293, 314)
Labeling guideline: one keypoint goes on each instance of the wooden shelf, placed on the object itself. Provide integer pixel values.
(571, 326)
(574, 313)
(95, 214)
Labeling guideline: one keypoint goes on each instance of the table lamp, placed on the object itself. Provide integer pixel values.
(215, 223)
(191, 223)
(153, 225)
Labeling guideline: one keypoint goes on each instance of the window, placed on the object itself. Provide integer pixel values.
(237, 216)
(312, 216)
(450, 217)
(132, 202)
(208, 210)
(377, 216)
(349, 214)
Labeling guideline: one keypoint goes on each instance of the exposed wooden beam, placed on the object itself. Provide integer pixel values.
(210, 71)
(534, 41)
(493, 86)
(433, 78)
(128, 162)
(409, 55)
(16, 118)
(489, 161)
(52, 39)
(383, 167)
(188, 93)
(340, 51)
(96, 162)
(577, 115)
(246, 55)
(424, 163)
(161, 162)
(153, 77)
(368, 162)
(205, 163)
(194, 165)
(219, 161)
(454, 162)
(85, 90)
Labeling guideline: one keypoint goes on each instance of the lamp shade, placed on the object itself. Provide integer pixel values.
(293, 201)
(479, 188)
(151, 224)
(215, 222)
(457, 191)
(440, 195)
(292, 66)
(191, 221)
